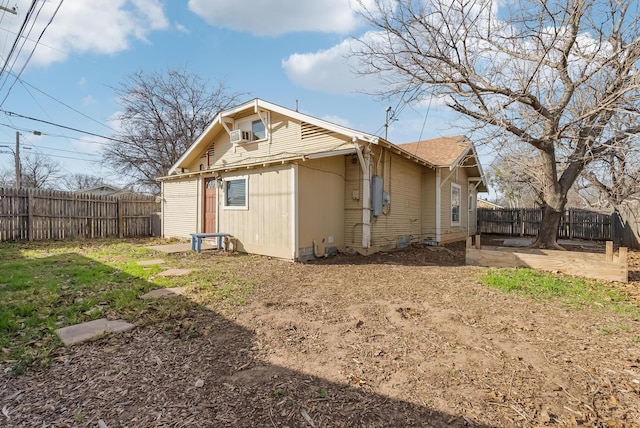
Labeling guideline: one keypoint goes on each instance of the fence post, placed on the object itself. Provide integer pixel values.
(609, 253)
(30, 210)
(622, 255)
(571, 216)
(120, 218)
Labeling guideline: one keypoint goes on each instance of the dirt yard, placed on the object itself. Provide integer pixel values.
(400, 339)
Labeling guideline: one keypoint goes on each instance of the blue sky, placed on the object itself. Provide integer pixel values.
(280, 51)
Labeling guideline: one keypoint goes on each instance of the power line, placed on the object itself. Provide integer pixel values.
(23, 83)
(32, 50)
(13, 114)
(18, 37)
(60, 150)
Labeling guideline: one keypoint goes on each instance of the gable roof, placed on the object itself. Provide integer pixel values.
(442, 152)
(256, 105)
(99, 188)
(449, 152)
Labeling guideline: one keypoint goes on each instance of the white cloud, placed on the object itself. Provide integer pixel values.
(88, 100)
(97, 26)
(337, 120)
(273, 18)
(182, 28)
(331, 70)
(82, 82)
(89, 144)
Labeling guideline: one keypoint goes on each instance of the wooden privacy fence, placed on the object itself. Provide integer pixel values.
(36, 215)
(579, 224)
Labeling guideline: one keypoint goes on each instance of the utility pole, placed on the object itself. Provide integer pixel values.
(17, 155)
(386, 122)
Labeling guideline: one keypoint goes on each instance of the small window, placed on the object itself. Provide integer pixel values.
(471, 200)
(252, 129)
(455, 204)
(235, 193)
(258, 130)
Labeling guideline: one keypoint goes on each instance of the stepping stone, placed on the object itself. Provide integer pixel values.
(176, 272)
(517, 242)
(163, 292)
(90, 330)
(178, 248)
(150, 262)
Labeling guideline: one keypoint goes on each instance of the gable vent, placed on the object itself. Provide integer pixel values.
(312, 131)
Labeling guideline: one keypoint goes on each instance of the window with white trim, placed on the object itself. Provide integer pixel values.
(471, 201)
(258, 130)
(236, 193)
(253, 128)
(456, 193)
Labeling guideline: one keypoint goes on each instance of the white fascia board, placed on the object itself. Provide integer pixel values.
(216, 121)
(258, 104)
(331, 153)
(472, 149)
(338, 129)
(460, 158)
(482, 176)
(195, 144)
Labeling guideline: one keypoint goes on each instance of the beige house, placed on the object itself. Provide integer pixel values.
(292, 186)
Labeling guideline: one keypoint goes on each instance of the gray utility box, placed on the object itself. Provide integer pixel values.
(377, 185)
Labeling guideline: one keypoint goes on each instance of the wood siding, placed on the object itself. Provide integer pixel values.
(428, 204)
(265, 226)
(411, 208)
(321, 203)
(401, 221)
(448, 231)
(288, 139)
(352, 202)
(180, 202)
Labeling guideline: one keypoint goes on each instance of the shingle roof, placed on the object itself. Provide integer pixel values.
(443, 151)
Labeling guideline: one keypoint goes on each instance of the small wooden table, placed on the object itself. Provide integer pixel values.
(196, 239)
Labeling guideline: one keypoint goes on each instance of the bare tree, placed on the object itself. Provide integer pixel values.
(616, 178)
(559, 75)
(39, 171)
(513, 174)
(162, 115)
(7, 177)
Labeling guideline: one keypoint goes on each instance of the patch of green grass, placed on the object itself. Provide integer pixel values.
(322, 394)
(45, 286)
(574, 292)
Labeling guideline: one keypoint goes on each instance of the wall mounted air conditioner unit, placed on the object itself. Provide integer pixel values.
(240, 136)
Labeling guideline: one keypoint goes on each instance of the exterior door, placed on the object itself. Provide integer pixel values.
(209, 205)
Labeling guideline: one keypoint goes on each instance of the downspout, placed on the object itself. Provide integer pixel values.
(294, 219)
(474, 194)
(162, 208)
(468, 194)
(364, 156)
(438, 206)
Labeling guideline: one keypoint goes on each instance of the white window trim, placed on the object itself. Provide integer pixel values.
(456, 223)
(244, 207)
(250, 120)
(471, 202)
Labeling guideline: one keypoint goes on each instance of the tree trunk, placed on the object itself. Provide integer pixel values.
(548, 233)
